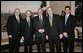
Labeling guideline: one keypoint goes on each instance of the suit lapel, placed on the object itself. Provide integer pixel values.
(48, 21)
(63, 20)
(16, 20)
(53, 20)
(38, 19)
(30, 21)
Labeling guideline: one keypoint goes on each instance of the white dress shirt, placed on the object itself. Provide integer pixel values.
(51, 19)
(66, 18)
(41, 17)
(28, 20)
(18, 19)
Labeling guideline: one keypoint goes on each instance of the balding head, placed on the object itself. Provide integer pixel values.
(49, 10)
(40, 11)
(17, 11)
(28, 13)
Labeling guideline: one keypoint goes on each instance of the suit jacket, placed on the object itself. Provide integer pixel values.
(27, 31)
(70, 25)
(38, 25)
(13, 27)
(56, 29)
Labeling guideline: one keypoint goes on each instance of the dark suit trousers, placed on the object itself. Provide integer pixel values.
(68, 43)
(55, 42)
(14, 44)
(27, 44)
(41, 43)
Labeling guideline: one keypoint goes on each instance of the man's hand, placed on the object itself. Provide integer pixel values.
(10, 36)
(41, 30)
(46, 37)
(61, 36)
(34, 37)
(22, 38)
(65, 34)
(76, 37)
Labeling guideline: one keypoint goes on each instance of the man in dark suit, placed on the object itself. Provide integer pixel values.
(68, 24)
(27, 31)
(62, 13)
(39, 30)
(13, 29)
(53, 30)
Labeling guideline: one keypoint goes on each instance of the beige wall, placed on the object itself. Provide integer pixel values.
(58, 6)
(9, 6)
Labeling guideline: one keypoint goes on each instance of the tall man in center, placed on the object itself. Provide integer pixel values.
(39, 27)
(53, 29)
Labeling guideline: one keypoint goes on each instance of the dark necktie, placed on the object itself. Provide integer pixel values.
(29, 22)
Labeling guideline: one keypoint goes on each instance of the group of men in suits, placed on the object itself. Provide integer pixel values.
(56, 27)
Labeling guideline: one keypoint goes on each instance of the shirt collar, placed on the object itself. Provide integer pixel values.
(67, 15)
(51, 15)
(17, 16)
